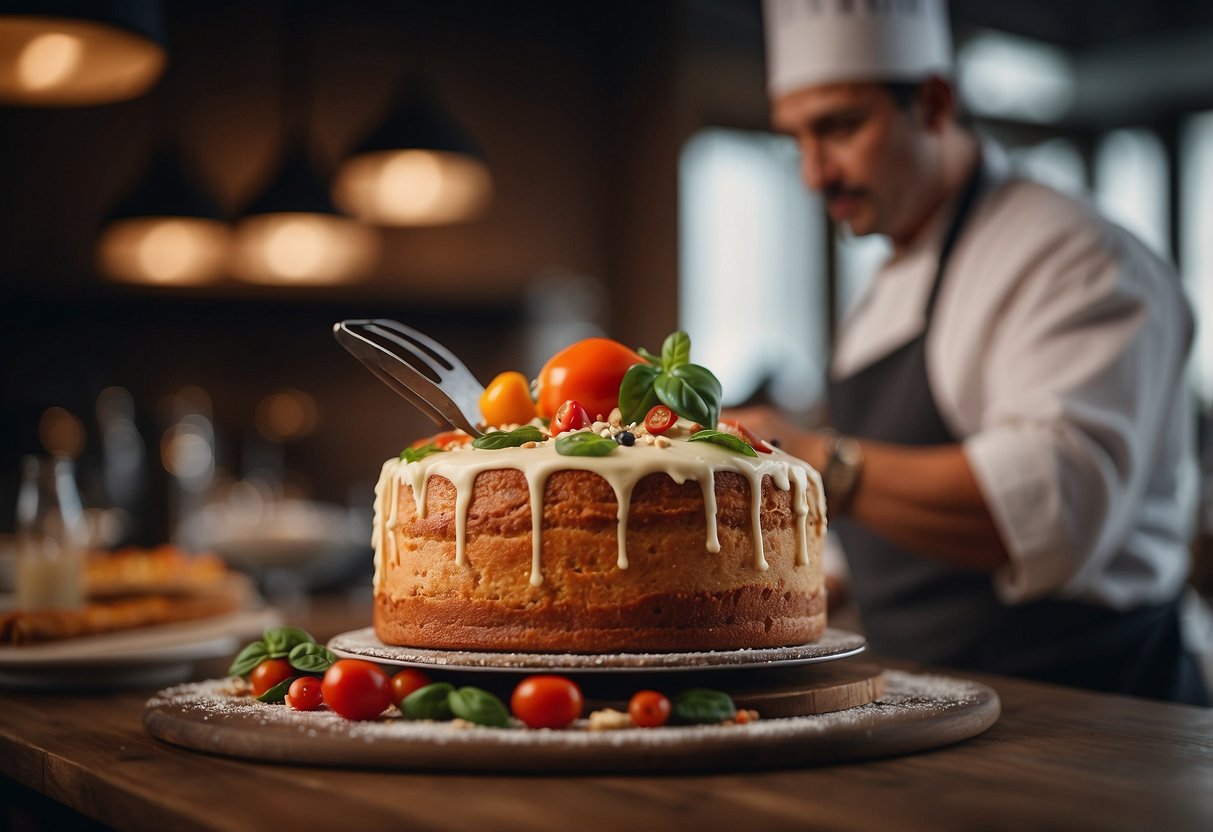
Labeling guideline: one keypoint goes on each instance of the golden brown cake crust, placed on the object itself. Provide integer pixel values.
(673, 594)
(749, 617)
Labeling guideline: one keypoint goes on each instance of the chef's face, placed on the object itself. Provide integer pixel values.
(861, 151)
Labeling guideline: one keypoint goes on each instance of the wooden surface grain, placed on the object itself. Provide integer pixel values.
(1057, 759)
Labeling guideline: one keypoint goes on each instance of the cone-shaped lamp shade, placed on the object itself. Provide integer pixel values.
(418, 168)
(167, 232)
(292, 235)
(58, 53)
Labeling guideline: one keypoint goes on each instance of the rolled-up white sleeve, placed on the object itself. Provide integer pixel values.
(1079, 371)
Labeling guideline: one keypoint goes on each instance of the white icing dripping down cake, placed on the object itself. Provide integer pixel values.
(674, 545)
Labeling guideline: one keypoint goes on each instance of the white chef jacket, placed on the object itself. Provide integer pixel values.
(1056, 356)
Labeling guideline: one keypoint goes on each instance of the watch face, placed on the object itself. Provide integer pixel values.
(849, 452)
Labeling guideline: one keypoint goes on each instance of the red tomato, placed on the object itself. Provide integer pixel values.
(444, 440)
(269, 673)
(546, 701)
(588, 371)
(304, 694)
(649, 709)
(746, 435)
(659, 419)
(570, 416)
(405, 682)
(356, 689)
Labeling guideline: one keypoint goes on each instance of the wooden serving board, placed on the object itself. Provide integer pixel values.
(912, 713)
(775, 692)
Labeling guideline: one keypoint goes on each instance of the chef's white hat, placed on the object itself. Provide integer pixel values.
(812, 42)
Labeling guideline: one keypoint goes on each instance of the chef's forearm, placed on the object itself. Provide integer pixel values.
(928, 501)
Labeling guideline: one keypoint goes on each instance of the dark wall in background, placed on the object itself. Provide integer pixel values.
(559, 95)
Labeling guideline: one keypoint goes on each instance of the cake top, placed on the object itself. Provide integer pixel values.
(622, 414)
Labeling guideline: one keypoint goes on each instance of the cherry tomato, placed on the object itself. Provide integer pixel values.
(570, 416)
(743, 433)
(356, 689)
(588, 371)
(269, 673)
(405, 682)
(546, 701)
(507, 400)
(649, 709)
(444, 440)
(659, 419)
(304, 694)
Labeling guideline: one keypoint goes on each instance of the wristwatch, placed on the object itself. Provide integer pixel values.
(844, 464)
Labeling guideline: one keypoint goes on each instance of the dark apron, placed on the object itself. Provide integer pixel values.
(917, 608)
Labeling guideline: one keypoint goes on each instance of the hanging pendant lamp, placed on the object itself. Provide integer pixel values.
(59, 53)
(418, 168)
(292, 234)
(166, 233)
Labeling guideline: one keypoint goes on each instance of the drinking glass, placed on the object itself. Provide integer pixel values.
(51, 535)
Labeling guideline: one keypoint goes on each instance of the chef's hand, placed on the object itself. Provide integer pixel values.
(767, 423)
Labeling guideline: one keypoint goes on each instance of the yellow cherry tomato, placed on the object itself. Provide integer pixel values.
(507, 400)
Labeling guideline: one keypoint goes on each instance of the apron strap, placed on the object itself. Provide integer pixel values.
(964, 207)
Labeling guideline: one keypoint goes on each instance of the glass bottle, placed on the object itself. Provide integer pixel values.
(51, 535)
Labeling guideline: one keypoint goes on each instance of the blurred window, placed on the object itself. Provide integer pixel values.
(1196, 232)
(1015, 78)
(752, 254)
(1054, 162)
(1131, 185)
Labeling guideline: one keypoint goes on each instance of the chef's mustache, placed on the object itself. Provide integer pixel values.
(832, 192)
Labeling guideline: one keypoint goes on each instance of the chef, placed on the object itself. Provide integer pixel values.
(1013, 478)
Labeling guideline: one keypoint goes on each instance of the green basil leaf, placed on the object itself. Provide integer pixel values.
(699, 705)
(415, 454)
(280, 640)
(636, 394)
(248, 658)
(498, 439)
(689, 395)
(648, 356)
(278, 692)
(705, 383)
(676, 351)
(479, 706)
(725, 440)
(311, 657)
(585, 443)
(429, 702)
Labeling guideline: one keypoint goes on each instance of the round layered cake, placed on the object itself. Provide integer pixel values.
(661, 545)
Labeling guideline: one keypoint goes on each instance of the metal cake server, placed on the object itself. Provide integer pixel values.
(418, 368)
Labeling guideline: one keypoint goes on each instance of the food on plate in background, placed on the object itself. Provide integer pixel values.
(135, 588)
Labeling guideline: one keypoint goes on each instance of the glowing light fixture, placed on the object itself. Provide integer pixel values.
(418, 168)
(166, 233)
(57, 53)
(293, 235)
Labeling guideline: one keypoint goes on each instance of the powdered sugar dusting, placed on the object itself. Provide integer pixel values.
(834, 644)
(907, 697)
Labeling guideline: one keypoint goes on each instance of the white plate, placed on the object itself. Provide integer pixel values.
(834, 644)
(132, 657)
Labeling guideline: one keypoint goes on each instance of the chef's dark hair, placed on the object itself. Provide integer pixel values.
(904, 92)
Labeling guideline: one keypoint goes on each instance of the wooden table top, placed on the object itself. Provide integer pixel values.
(1057, 758)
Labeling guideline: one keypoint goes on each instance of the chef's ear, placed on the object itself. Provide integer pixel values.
(936, 104)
